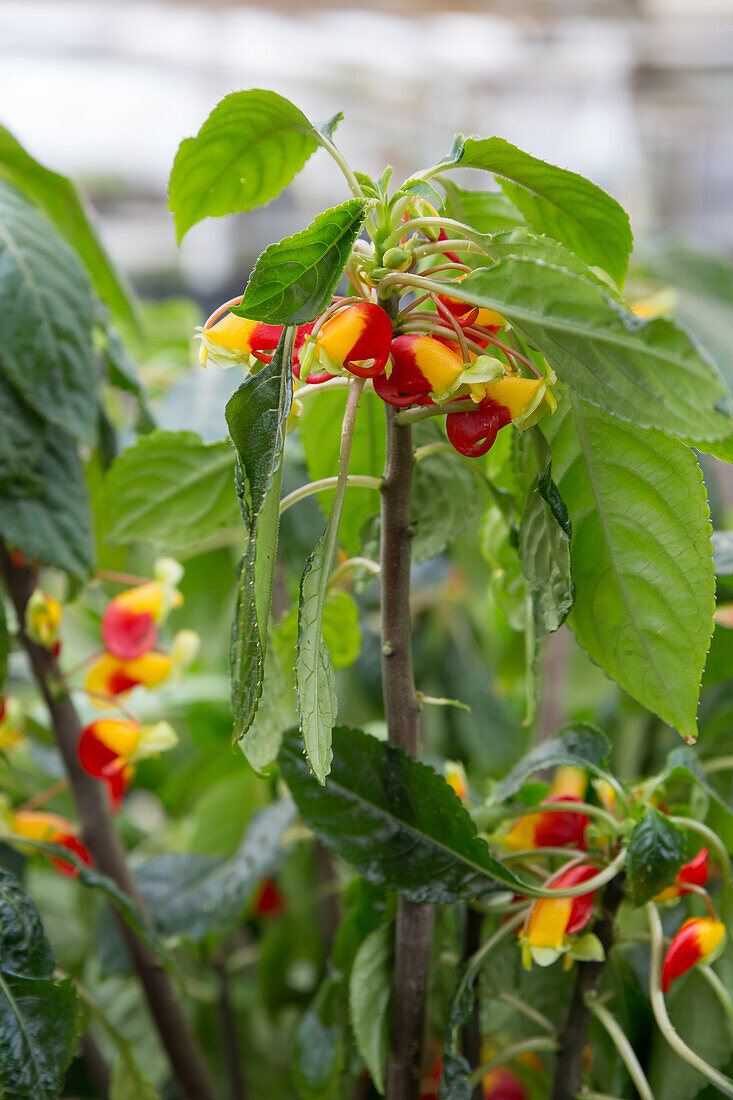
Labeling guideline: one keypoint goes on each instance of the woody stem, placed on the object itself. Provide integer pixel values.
(100, 837)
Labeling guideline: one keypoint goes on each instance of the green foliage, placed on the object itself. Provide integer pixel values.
(655, 854)
(22, 435)
(40, 1018)
(247, 151)
(370, 988)
(642, 559)
(544, 547)
(293, 280)
(647, 372)
(66, 207)
(446, 496)
(314, 676)
(173, 490)
(46, 321)
(393, 819)
(485, 211)
(556, 202)
(4, 643)
(582, 746)
(127, 1081)
(256, 416)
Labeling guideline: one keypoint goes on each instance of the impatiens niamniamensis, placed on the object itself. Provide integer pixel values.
(421, 366)
(553, 828)
(109, 748)
(699, 940)
(43, 614)
(455, 777)
(51, 828)
(693, 873)
(355, 338)
(552, 922)
(110, 678)
(228, 340)
(11, 724)
(503, 1084)
(130, 621)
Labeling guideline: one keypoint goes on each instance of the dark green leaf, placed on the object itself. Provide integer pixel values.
(22, 433)
(579, 745)
(314, 676)
(455, 1080)
(655, 854)
(648, 372)
(320, 1042)
(370, 988)
(446, 499)
(557, 202)
(24, 949)
(394, 819)
(40, 1024)
(485, 211)
(262, 742)
(173, 490)
(642, 558)
(250, 147)
(50, 520)
(256, 415)
(294, 280)
(320, 429)
(66, 207)
(544, 547)
(46, 320)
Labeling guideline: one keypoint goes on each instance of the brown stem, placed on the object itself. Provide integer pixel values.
(96, 1064)
(229, 1035)
(414, 930)
(574, 1035)
(472, 1029)
(99, 835)
(329, 907)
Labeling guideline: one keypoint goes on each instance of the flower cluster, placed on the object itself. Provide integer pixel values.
(455, 363)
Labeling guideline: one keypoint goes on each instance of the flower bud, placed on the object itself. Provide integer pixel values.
(53, 829)
(474, 433)
(699, 940)
(396, 259)
(43, 615)
(186, 646)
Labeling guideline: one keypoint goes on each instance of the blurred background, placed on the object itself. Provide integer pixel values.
(636, 94)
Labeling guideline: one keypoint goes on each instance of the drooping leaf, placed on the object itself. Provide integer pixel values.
(320, 429)
(293, 281)
(67, 208)
(446, 498)
(48, 518)
(256, 415)
(394, 819)
(261, 743)
(642, 556)
(580, 745)
(314, 676)
(40, 1019)
(544, 547)
(46, 320)
(370, 988)
(555, 201)
(655, 854)
(340, 627)
(173, 490)
(249, 148)
(648, 372)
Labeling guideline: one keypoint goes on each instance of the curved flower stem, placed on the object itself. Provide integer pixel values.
(726, 897)
(623, 1046)
(354, 563)
(361, 481)
(659, 1008)
(43, 797)
(578, 807)
(535, 853)
(720, 992)
(342, 162)
(451, 245)
(529, 1011)
(338, 383)
(412, 416)
(589, 885)
(526, 1046)
(449, 224)
(717, 764)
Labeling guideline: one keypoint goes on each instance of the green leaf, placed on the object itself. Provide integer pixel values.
(648, 372)
(340, 627)
(319, 1047)
(4, 644)
(370, 988)
(127, 1081)
(262, 742)
(50, 520)
(655, 854)
(485, 211)
(294, 280)
(173, 490)
(256, 415)
(581, 745)
(445, 496)
(249, 149)
(544, 547)
(696, 1015)
(320, 429)
(46, 320)
(557, 202)
(40, 1019)
(642, 556)
(394, 819)
(66, 207)
(22, 434)
(314, 676)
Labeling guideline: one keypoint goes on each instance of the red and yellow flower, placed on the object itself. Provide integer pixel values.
(11, 724)
(694, 873)
(554, 828)
(43, 614)
(422, 368)
(502, 1084)
(553, 922)
(228, 340)
(130, 621)
(110, 678)
(51, 828)
(355, 339)
(699, 940)
(109, 749)
(455, 777)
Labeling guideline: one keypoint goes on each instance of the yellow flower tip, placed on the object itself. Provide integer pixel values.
(455, 777)
(569, 782)
(606, 794)
(521, 836)
(43, 616)
(186, 647)
(153, 740)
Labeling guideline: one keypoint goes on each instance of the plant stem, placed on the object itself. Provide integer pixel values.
(229, 1034)
(96, 1064)
(414, 929)
(472, 1027)
(100, 837)
(623, 1046)
(362, 481)
(574, 1035)
(714, 841)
